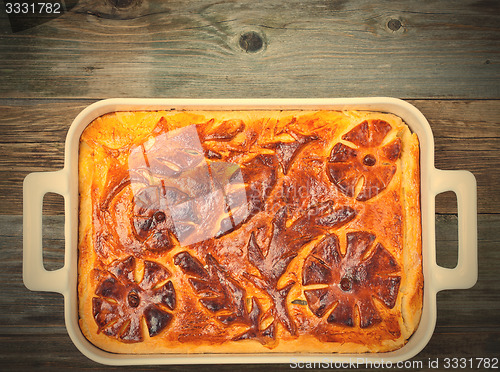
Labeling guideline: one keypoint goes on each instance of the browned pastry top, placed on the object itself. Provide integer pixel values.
(249, 231)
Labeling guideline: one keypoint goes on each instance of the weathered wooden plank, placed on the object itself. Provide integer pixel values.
(315, 48)
(37, 122)
(471, 329)
(467, 136)
(446, 247)
(48, 120)
(309, 49)
(58, 353)
(33, 155)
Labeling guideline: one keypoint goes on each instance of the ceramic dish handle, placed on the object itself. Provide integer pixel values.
(35, 277)
(463, 184)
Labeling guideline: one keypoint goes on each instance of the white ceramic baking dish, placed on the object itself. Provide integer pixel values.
(433, 182)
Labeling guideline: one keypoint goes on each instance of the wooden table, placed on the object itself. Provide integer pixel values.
(441, 56)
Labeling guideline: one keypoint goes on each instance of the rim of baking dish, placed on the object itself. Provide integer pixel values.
(411, 116)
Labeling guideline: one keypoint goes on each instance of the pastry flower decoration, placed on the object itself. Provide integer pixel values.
(336, 284)
(122, 303)
(367, 161)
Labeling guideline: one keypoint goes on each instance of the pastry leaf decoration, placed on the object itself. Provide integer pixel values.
(255, 317)
(282, 249)
(222, 295)
(219, 292)
(286, 152)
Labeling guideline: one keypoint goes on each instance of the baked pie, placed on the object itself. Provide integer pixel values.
(249, 232)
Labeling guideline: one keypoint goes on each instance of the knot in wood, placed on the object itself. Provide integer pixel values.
(251, 42)
(394, 24)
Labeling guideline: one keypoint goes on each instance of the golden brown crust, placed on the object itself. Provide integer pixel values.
(249, 232)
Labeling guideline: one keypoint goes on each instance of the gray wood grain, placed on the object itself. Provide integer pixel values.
(32, 331)
(467, 136)
(316, 48)
(441, 55)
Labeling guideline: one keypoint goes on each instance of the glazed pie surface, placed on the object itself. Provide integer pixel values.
(249, 232)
